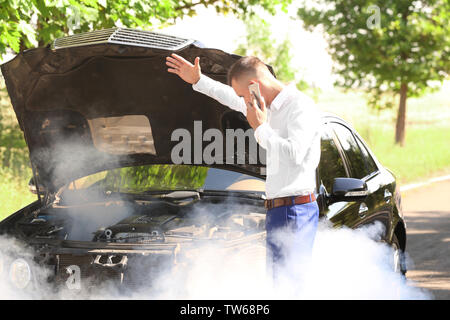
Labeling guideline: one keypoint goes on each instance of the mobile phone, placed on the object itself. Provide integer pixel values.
(254, 91)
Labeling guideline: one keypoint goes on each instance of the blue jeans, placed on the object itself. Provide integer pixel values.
(290, 234)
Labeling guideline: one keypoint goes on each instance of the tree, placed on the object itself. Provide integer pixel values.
(390, 48)
(259, 43)
(25, 22)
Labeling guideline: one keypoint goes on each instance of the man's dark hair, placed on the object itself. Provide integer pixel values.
(244, 65)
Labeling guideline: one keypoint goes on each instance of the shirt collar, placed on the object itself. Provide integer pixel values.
(282, 97)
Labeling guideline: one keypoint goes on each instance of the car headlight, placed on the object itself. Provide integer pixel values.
(20, 273)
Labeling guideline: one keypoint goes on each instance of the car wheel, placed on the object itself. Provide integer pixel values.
(398, 257)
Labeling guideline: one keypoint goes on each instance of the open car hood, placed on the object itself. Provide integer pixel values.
(104, 100)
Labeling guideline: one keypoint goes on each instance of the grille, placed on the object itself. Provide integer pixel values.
(123, 36)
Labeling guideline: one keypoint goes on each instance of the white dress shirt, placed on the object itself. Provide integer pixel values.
(291, 136)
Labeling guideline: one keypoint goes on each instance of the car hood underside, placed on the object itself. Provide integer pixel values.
(90, 108)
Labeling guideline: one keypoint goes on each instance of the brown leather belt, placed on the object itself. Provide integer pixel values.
(287, 201)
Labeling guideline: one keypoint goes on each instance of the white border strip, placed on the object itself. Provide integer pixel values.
(420, 184)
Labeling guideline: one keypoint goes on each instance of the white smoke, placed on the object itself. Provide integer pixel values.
(345, 264)
(11, 252)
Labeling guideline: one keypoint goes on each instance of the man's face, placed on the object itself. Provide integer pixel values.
(240, 86)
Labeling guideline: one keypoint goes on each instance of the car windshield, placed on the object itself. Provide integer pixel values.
(141, 179)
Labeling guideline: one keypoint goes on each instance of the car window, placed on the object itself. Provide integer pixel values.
(331, 163)
(169, 177)
(370, 163)
(352, 151)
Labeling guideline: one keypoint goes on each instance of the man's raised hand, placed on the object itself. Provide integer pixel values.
(184, 69)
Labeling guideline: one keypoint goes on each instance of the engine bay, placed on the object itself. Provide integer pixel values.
(130, 241)
(144, 222)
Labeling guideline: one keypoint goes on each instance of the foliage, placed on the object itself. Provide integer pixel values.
(260, 43)
(23, 23)
(15, 171)
(155, 177)
(411, 43)
(385, 47)
(13, 149)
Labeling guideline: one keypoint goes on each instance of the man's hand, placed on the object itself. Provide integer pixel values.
(184, 69)
(256, 116)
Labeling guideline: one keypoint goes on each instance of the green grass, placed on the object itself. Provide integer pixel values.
(426, 152)
(14, 193)
(427, 147)
(14, 162)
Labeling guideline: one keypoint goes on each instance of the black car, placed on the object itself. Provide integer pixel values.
(99, 111)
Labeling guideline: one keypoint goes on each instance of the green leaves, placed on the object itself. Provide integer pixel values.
(260, 43)
(9, 38)
(25, 22)
(155, 177)
(27, 30)
(13, 150)
(410, 44)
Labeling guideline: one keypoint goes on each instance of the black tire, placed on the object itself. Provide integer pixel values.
(398, 259)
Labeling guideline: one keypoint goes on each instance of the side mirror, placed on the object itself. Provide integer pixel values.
(348, 189)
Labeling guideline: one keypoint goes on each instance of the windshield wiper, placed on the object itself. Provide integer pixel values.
(181, 195)
(175, 196)
(232, 193)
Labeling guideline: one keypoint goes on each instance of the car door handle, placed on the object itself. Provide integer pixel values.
(387, 195)
(362, 210)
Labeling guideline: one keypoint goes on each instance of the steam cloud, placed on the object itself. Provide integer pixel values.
(345, 264)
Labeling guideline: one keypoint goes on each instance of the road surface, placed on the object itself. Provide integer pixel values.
(427, 214)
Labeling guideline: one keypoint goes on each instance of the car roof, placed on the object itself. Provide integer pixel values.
(327, 116)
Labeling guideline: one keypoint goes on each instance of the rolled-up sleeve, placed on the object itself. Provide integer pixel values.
(220, 92)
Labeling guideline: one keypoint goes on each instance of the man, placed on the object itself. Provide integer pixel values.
(289, 129)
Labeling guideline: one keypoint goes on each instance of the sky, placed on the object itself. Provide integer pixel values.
(226, 32)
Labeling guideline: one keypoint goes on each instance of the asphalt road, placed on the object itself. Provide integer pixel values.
(427, 214)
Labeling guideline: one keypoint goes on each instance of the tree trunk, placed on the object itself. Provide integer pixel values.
(401, 116)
